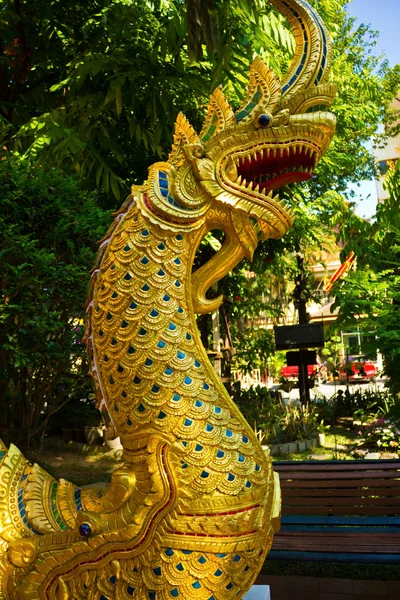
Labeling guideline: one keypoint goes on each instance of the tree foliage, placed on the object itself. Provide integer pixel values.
(324, 208)
(48, 233)
(96, 87)
(371, 293)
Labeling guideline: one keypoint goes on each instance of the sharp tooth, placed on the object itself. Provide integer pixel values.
(280, 152)
(237, 161)
(239, 180)
(294, 149)
(249, 158)
(274, 152)
(257, 188)
(261, 153)
(244, 183)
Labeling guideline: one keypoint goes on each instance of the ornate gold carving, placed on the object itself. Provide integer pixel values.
(192, 512)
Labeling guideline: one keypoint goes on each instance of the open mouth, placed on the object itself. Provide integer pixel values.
(266, 169)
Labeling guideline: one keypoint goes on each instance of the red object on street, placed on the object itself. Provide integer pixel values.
(292, 373)
(356, 367)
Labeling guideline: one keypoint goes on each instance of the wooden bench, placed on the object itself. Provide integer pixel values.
(339, 511)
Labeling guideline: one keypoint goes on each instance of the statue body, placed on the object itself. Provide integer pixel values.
(192, 511)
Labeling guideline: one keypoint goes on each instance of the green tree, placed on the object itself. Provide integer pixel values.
(96, 86)
(371, 293)
(325, 206)
(49, 227)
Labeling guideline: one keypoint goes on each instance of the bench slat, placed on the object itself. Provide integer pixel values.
(287, 502)
(352, 532)
(336, 529)
(343, 466)
(332, 557)
(347, 521)
(329, 483)
(365, 543)
(332, 475)
(340, 510)
(341, 492)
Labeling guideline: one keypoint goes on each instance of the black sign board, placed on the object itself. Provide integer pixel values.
(292, 337)
(306, 357)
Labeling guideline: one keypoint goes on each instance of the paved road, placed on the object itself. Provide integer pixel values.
(330, 388)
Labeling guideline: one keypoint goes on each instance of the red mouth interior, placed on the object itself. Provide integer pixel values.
(269, 172)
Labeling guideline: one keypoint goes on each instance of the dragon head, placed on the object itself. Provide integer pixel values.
(277, 137)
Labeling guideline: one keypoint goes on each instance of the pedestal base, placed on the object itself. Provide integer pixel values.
(258, 592)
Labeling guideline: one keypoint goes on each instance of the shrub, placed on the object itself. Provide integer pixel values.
(49, 227)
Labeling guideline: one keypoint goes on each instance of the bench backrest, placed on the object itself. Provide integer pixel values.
(341, 488)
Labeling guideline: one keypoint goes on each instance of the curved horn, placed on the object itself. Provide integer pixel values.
(312, 59)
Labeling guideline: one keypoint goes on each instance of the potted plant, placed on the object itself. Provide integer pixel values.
(286, 384)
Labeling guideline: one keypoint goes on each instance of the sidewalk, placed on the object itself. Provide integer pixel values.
(316, 588)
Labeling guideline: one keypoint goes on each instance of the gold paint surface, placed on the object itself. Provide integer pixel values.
(192, 512)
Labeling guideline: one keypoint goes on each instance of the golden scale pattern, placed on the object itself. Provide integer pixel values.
(192, 511)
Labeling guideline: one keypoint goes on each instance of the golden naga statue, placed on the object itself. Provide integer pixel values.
(192, 512)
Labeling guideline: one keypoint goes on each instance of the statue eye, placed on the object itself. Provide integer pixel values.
(264, 120)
